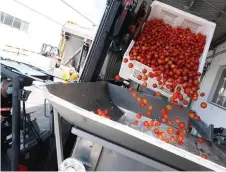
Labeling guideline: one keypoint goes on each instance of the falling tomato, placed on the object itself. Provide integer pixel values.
(181, 124)
(139, 115)
(200, 140)
(150, 107)
(203, 105)
(148, 113)
(134, 94)
(191, 115)
(170, 123)
(130, 65)
(139, 77)
(145, 101)
(163, 120)
(202, 94)
(177, 120)
(139, 99)
(170, 130)
(144, 84)
(169, 107)
(135, 122)
(125, 60)
(156, 130)
(142, 105)
(158, 94)
(117, 77)
(166, 116)
(130, 89)
(163, 111)
(197, 118)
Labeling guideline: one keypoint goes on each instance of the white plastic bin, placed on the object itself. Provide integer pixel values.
(174, 17)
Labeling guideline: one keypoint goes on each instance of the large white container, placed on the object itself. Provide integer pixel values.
(174, 17)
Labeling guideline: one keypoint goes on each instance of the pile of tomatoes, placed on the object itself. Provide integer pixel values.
(173, 55)
(103, 113)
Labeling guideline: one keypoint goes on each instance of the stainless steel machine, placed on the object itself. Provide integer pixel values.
(117, 144)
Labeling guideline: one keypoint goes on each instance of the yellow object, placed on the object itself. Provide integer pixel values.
(74, 76)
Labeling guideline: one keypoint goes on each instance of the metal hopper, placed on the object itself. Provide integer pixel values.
(74, 101)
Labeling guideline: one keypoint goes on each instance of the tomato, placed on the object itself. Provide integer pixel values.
(158, 123)
(177, 120)
(99, 111)
(163, 120)
(185, 102)
(166, 140)
(125, 60)
(180, 143)
(166, 116)
(204, 156)
(156, 130)
(106, 112)
(135, 122)
(170, 123)
(181, 124)
(117, 77)
(203, 105)
(172, 139)
(150, 107)
(163, 134)
(130, 65)
(145, 101)
(139, 99)
(169, 107)
(146, 123)
(158, 94)
(139, 77)
(191, 115)
(202, 94)
(130, 89)
(154, 85)
(148, 113)
(144, 84)
(164, 111)
(200, 140)
(144, 77)
(170, 130)
(197, 118)
(134, 94)
(139, 115)
(180, 137)
(144, 71)
(142, 105)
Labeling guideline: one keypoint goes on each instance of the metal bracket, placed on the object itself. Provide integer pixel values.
(24, 94)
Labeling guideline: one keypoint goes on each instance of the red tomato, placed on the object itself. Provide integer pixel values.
(158, 94)
(204, 156)
(185, 102)
(202, 94)
(150, 107)
(156, 130)
(139, 115)
(117, 77)
(201, 140)
(170, 130)
(144, 84)
(148, 113)
(144, 71)
(130, 65)
(158, 123)
(203, 105)
(169, 107)
(145, 101)
(142, 105)
(180, 138)
(139, 77)
(106, 112)
(170, 123)
(181, 124)
(99, 111)
(154, 85)
(139, 99)
(163, 120)
(135, 122)
(197, 118)
(172, 139)
(146, 123)
(166, 116)
(180, 143)
(125, 60)
(130, 89)
(177, 120)
(164, 111)
(191, 115)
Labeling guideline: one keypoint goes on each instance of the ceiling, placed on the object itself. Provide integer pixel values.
(212, 10)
